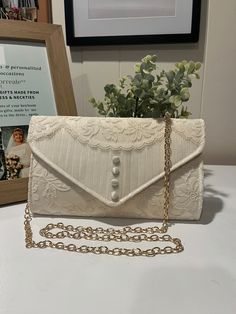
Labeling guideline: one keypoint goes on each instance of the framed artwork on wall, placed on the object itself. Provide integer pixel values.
(108, 22)
(34, 80)
(26, 10)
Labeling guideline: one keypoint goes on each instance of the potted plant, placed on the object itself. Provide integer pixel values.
(149, 93)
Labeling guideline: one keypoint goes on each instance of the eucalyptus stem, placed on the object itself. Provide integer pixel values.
(136, 107)
(150, 93)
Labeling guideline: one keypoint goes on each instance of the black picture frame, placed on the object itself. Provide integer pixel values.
(191, 36)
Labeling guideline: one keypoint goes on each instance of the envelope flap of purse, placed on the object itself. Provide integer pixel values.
(113, 159)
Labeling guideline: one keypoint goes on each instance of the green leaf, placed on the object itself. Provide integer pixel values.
(153, 102)
(172, 99)
(150, 78)
(197, 66)
(180, 66)
(173, 106)
(153, 59)
(137, 67)
(179, 75)
(149, 58)
(121, 99)
(145, 84)
(184, 94)
(146, 71)
(170, 76)
(177, 100)
(109, 88)
(191, 67)
(100, 106)
(92, 101)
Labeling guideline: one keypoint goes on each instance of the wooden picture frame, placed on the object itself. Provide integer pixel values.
(97, 22)
(45, 11)
(50, 36)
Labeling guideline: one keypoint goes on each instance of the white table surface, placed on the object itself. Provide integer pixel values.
(201, 280)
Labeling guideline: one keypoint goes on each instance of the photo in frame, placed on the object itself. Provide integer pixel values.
(26, 10)
(16, 152)
(34, 80)
(108, 22)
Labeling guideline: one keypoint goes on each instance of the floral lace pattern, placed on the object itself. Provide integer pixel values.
(49, 184)
(194, 134)
(50, 195)
(53, 193)
(115, 133)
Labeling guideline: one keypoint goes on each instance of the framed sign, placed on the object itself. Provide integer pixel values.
(107, 22)
(29, 11)
(34, 80)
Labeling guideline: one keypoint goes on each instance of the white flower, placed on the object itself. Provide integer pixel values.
(139, 131)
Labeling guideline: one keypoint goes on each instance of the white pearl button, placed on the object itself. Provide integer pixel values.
(115, 171)
(114, 183)
(116, 160)
(115, 196)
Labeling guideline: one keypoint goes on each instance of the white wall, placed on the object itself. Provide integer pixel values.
(219, 87)
(212, 97)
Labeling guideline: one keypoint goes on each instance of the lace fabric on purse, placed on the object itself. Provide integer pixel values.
(114, 167)
(124, 151)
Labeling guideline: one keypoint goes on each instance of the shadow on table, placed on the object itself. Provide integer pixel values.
(212, 202)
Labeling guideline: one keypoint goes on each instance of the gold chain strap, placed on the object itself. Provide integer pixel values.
(149, 234)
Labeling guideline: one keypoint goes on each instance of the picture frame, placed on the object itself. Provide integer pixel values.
(45, 11)
(110, 22)
(30, 10)
(49, 39)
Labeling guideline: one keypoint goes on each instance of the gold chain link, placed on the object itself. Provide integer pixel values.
(149, 234)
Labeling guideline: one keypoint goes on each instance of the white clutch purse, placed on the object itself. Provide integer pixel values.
(114, 167)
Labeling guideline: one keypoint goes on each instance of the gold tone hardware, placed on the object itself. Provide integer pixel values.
(124, 234)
